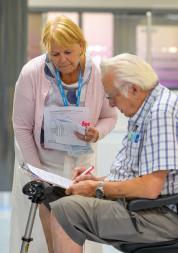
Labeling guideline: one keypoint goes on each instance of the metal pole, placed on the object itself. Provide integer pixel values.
(149, 37)
(27, 237)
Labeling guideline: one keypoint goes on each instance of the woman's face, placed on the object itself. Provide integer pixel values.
(66, 59)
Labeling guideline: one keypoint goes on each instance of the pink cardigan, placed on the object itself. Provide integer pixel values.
(31, 90)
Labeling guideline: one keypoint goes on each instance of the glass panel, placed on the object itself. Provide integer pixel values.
(125, 41)
(72, 15)
(100, 42)
(125, 32)
(34, 35)
(164, 49)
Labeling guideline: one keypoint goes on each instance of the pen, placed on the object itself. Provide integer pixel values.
(87, 171)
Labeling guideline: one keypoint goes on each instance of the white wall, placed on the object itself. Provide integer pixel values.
(107, 149)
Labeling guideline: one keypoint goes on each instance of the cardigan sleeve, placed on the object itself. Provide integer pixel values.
(24, 118)
(107, 119)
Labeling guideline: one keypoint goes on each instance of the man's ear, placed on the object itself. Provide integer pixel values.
(135, 90)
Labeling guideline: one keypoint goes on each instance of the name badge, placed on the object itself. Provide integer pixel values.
(133, 135)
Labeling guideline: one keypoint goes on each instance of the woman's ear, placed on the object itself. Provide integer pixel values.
(82, 50)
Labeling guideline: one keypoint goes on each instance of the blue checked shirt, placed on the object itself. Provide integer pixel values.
(151, 143)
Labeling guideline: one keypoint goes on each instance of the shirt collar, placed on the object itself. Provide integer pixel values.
(146, 106)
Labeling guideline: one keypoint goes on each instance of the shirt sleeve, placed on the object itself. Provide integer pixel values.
(160, 147)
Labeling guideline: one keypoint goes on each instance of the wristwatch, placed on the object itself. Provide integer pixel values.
(100, 190)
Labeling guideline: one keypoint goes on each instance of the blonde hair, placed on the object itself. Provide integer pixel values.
(130, 69)
(64, 32)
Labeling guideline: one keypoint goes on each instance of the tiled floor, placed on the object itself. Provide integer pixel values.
(4, 221)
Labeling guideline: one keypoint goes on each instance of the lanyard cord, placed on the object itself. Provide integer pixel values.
(61, 89)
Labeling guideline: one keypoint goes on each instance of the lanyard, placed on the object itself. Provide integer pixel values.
(59, 84)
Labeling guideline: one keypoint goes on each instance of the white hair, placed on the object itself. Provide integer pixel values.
(128, 69)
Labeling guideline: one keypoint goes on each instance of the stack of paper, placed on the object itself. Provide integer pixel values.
(50, 177)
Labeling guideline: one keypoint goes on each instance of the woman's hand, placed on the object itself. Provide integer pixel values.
(91, 135)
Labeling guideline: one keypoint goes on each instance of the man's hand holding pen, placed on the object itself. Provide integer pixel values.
(81, 173)
(83, 188)
(84, 182)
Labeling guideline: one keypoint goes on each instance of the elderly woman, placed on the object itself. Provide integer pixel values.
(63, 77)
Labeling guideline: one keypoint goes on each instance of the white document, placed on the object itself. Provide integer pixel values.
(50, 177)
(61, 123)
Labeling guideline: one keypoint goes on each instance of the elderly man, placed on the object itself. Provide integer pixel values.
(145, 167)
